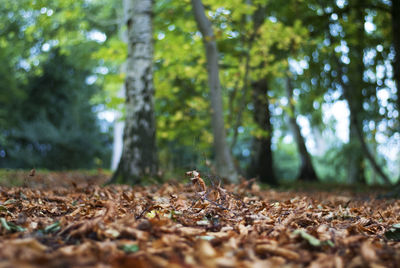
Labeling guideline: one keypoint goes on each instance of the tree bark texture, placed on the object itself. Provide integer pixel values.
(261, 165)
(224, 162)
(307, 171)
(139, 155)
(396, 45)
(354, 97)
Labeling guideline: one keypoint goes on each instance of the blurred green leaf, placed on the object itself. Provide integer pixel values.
(393, 233)
(313, 241)
(52, 228)
(10, 201)
(130, 248)
(11, 226)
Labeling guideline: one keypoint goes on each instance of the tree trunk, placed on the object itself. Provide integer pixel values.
(353, 94)
(224, 163)
(139, 155)
(396, 45)
(261, 165)
(118, 140)
(354, 97)
(307, 171)
(369, 155)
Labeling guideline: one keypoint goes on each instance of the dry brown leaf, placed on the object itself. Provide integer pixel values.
(275, 250)
(173, 225)
(204, 249)
(190, 231)
(368, 252)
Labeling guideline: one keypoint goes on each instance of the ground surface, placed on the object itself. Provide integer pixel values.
(80, 224)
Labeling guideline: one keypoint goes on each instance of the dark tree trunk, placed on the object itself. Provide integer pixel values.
(396, 45)
(369, 155)
(307, 171)
(353, 94)
(139, 155)
(224, 162)
(354, 97)
(261, 165)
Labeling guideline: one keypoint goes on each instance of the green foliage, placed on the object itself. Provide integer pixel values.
(286, 161)
(393, 233)
(11, 227)
(56, 127)
(49, 49)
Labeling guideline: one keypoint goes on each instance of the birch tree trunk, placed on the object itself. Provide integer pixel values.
(224, 163)
(307, 171)
(139, 154)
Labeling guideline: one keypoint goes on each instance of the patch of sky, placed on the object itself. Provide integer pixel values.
(246, 152)
(345, 59)
(283, 101)
(341, 3)
(101, 70)
(250, 107)
(91, 79)
(327, 67)
(369, 57)
(298, 66)
(272, 19)
(160, 36)
(369, 26)
(96, 35)
(46, 47)
(335, 29)
(278, 110)
(380, 71)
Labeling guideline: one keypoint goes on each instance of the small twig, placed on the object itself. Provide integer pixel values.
(142, 213)
(194, 203)
(347, 204)
(219, 205)
(383, 218)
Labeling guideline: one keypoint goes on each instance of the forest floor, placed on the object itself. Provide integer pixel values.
(69, 220)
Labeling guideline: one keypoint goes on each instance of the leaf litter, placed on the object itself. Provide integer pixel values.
(194, 225)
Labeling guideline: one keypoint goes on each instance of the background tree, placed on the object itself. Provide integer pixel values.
(307, 171)
(396, 45)
(261, 165)
(53, 123)
(327, 46)
(223, 159)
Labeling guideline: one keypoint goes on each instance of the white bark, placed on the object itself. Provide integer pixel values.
(139, 156)
(118, 135)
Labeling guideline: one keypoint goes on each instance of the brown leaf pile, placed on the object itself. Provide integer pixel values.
(178, 225)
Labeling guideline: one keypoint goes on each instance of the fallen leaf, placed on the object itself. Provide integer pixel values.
(275, 250)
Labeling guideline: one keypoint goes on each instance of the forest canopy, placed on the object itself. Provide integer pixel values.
(309, 89)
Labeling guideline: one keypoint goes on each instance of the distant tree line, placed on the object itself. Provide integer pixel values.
(228, 81)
